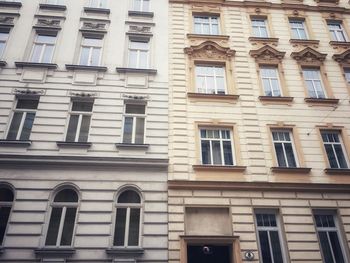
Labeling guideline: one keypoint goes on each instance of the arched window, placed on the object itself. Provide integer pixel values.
(6, 200)
(62, 218)
(127, 220)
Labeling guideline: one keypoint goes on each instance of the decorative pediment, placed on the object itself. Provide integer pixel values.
(343, 58)
(309, 55)
(48, 22)
(210, 50)
(94, 26)
(140, 29)
(28, 92)
(266, 54)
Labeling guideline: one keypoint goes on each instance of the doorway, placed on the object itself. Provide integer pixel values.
(209, 254)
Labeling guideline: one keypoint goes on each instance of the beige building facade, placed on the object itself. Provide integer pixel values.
(259, 131)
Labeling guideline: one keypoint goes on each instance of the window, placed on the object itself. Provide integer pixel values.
(127, 220)
(298, 29)
(43, 48)
(98, 3)
(54, 2)
(206, 25)
(314, 83)
(134, 123)
(138, 54)
(141, 5)
(270, 81)
(210, 79)
(347, 74)
(334, 148)
(90, 54)
(79, 121)
(23, 119)
(6, 200)
(269, 237)
(329, 238)
(4, 35)
(62, 219)
(216, 147)
(337, 31)
(259, 27)
(284, 148)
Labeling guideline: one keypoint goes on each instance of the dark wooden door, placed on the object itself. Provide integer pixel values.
(208, 254)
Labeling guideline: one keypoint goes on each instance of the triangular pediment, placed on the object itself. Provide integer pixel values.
(267, 53)
(309, 55)
(343, 58)
(210, 50)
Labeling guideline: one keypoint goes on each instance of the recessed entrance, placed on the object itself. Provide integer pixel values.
(209, 254)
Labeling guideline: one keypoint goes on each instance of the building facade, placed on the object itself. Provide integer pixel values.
(84, 131)
(259, 131)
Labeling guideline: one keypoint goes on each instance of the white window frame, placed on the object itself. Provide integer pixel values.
(313, 81)
(259, 27)
(231, 140)
(341, 143)
(54, 2)
(138, 51)
(4, 31)
(141, 6)
(298, 29)
(44, 46)
(91, 48)
(128, 207)
(81, 114)
(277, 228)
(134, 117)
(99, 4)
(210, 24)
(283, 142)
(339, 34)
(214, 75)
(269, 78)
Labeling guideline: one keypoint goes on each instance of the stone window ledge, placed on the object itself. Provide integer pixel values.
(53, 252)
(87, 68)
(53, 7)
(214, 37)
(74, 144)
(10, 4)
(24, 143)
(304, 41)
(3, 63)
(36, 65)
(340, 44)
(141, 14)
(137, 70)
(318, 101)
(297, 170)
(131, 145)
(275, 99)
(264, 39)
(95, 10)
(125, 251)
(212, 96)
(337, 171)
(230, 168)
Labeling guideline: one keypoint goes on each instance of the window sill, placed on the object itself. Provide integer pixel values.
(231, 168)
(125, 251)
(15, 143)
(74, 144)
(264, 39)
(273, 99)
(141, 14)
(3, 63)
(131, 145)
(305, 42)
(340, 43)
(137, 70)
(317, 101)
(53, 7)
(65, 252)
(213, 96)
(36, 65)
(215, 37)
(10, 4)
(97, 10)
(87, 68)
(337, 171)
(295, 170)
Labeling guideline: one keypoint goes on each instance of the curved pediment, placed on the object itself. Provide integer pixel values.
(210, 50)
(309, 55)
(343, 58)
(266, 54)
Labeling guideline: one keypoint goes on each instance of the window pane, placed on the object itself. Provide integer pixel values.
(6, 195)
(145, 6)
(265, 247)
(206, 152)
(280, 155)
(27, 104)
(84, 129)
(216, 152)
(4, 217)
(84, 56)
(331, 156)
(132, 59)
(52, 232)
(338, 254)
(82, 106)
(341, 157)
(326, 249)
(129, 196)
(47, 56)
(16, 122)
(135, 108)
(140, 128)
(95, 57)
(119, 232)
(290, 155)
(276, 247)
(37, 49)
(68, 227)
(46, 39)
(134, 226)
(127, 135)
(228, 153)
(66, 195)
(72, 128)
(143, 63)
(27, 126)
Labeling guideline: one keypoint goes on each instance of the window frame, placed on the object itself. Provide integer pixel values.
(135, 116)
(7, 204)
(304, 27)
(90, 4)
(342, 29)
(210, 24)
(133, 6)
(4, 30)
(43, 46)
(148, 52)
(213, 66)
(56, 2)
(278, 77)
(321, 79)
(91, 48)
(266, 26)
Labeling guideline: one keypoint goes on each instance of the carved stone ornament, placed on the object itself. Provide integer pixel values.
(48, 22)
(28, 92)
(139, 29)
(267, 53)
(94, 26)
(8, 20)
(210, 50)
(82, 94)
(308, 55)
(135, 97)
(343, 58)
